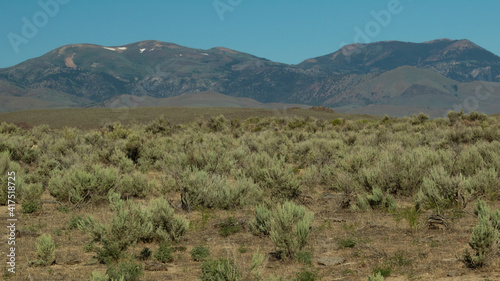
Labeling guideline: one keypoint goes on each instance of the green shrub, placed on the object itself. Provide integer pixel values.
(133, 148)
(262, 222)
(229, 227)
(468, 162)
(377, 200)
(304, 257)
(389, 202)
(475, 116)
(133, 223)
(6, 166)
(410, 214)
(273, 175)
(297, 123)
(152, 154)
(397, 170)
(454, 117)
(119, 159)
(400, 259)
(290, 228)
(212, 153)
(164, 253)
(419, 119)
(75, 221)
(111, 251)
(200, 253)
(305, 274)
(484, 182)
(242, 249)
(316, 152)
(116, 131)
(217, 124)
(201, 188)
(134, 185)
(125, 270)
(376, 277)
(45, 250)
(382, 269)
(481, 208)
(145, 254)
(44, 170)
(337, 122)
(90, 247)
(361, 203)
(63, 209)
(484, 238)
(464, 135)
(271, 143)
(31, 195)
(288, 225)
(159, 126)
(9, 128)
(20, 148)
(99, 276)
(343, 181)
(439, 189)
(164, 220)
(78, 185)
(221, 269)
(347, 243)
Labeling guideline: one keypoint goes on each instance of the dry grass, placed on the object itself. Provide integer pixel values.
(92, 118)
(429, 254)
(380, 238)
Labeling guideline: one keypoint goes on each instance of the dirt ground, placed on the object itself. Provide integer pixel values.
(380, 239)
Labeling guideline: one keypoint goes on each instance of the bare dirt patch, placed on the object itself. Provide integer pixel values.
(69, 61)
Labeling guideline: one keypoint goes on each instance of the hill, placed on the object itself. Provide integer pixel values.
(199, 99)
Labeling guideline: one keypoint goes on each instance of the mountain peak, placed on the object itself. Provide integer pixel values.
(156, 44)
(225, 50)
(464, 44)
(438, 41)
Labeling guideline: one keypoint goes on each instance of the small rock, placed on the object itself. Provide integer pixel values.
(425, 240)
(72, 262)
(331, 261)
(154, 266)
(330, 196)
(439, 239)
(454, 273)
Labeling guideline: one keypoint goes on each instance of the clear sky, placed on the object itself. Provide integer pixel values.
(288, 31)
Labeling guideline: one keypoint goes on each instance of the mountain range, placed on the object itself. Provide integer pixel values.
(389, 77)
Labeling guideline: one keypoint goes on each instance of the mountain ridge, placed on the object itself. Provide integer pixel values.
(95, 74)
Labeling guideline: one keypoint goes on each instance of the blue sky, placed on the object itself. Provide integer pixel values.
(286, 31)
